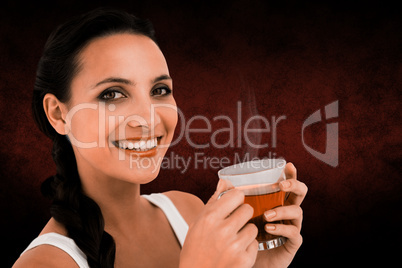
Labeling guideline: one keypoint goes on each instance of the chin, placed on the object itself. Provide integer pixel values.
(145, 176)
(138, 170)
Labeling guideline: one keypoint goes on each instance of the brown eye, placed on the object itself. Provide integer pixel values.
(111, 95)
(161, 91)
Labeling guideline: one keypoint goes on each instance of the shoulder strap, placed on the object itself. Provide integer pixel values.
(62, 242)
(176, 220)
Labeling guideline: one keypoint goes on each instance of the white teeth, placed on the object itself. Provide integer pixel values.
(143, 145)
(139, 146)
(122, 145)
(136, 145)
(130, 145)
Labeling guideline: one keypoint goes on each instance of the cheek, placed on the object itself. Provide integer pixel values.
(88, 133)
(84, 127)
(169, 118)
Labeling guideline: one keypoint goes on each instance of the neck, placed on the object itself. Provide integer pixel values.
(119, 201)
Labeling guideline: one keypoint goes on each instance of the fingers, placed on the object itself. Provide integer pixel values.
(290, 171)
(223, 185)
(247, 235)
(291, 232)
(297, 190)
(253, 248)
(246, 239)
(291, 212)
(240, 217)
(252, 251)
(229, 202)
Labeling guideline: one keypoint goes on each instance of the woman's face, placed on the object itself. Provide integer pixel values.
(121, 114)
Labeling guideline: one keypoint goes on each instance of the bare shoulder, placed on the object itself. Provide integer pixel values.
(45, 256)
(188, 204)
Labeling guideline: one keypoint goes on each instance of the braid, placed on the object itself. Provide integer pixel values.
(58, 65)
(80, 215)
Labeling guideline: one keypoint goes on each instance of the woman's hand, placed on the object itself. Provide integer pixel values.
(292, 215)
(221, 237)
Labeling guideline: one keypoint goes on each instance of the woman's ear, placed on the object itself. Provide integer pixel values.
(56, 113)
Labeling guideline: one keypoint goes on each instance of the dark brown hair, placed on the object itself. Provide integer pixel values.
(80, 215)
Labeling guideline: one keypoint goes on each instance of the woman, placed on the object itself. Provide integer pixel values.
(103, 94)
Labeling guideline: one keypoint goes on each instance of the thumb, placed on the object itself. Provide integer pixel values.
(223, 185)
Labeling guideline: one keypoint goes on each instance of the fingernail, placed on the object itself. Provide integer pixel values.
(269, 227)
(285, 184)
(270, 214)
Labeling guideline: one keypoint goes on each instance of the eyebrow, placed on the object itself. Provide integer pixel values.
(113, 80)
(128, 82)
(161, 77)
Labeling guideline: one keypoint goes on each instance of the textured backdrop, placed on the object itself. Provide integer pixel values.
(278, 59)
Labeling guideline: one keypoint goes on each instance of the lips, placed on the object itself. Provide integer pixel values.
(138, 145)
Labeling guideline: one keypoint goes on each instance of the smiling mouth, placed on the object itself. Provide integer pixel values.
(138, 145)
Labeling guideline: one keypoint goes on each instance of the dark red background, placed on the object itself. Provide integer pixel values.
(292, 58)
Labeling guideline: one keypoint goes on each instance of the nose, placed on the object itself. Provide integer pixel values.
(144, 115)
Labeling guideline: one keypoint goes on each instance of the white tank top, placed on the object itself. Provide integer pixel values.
(178, 224)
